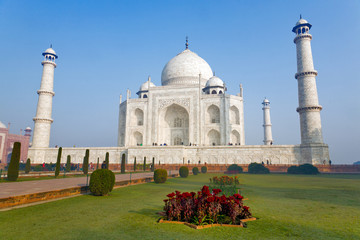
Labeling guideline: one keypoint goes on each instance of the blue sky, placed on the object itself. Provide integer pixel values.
(107, 47)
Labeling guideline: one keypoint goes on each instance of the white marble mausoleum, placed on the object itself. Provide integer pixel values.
(191, 118)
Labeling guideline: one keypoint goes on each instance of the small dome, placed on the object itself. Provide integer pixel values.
(215, 82)
(28, 128)
(266, 100)
(50, 50)
(145, 86)
(2, 125)
(301, 21)
(184, 69)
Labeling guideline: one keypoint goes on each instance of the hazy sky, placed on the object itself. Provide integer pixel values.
(106, 47)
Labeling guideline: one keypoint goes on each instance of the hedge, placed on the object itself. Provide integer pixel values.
(101, 182)
(160, 175)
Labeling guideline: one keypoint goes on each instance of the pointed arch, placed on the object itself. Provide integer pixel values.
(234, 115)
(137, 139)
(213, 137)
(235, 137)
(213, 114)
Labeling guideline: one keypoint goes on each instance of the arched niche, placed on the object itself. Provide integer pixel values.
(213, 114)
(235, 137)
(137, 139)
(174, 125)
(213, 137)
(234, 115)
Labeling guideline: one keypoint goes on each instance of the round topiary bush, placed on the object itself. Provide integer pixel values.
(101, 182)
(195, 171)
(204, 169)
(234, 169)
(303, 169)
(160, 175)
(184, 172)
(257, 168)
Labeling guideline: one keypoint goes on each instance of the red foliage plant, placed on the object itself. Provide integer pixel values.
(204, 207)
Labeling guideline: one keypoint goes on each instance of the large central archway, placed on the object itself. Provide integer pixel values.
(174, 126)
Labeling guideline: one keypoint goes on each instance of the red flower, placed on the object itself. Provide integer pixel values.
(166, 200)
(238, 196)
(171, 195)
(246, 208)
(216, 191)
(210, 199)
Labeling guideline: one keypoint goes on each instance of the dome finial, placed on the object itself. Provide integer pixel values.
(50, 45)
(300, 16)
(187, 43)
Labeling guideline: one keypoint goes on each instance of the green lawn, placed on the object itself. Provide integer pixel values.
(288, 207)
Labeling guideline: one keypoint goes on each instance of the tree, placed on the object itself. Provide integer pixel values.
(97, 165)
(68, 163)
(144, 166)
(153, 165)
(13, 171)
(135, 165)
(57, 167)
(123, 163)
(27, 166)
(107, 160)
(86, 162)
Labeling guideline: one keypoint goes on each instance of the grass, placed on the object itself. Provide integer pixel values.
(288, 207)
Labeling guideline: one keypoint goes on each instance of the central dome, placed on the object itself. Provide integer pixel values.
(184, 69)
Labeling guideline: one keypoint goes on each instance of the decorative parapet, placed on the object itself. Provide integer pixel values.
(308, 73)
(48, 62)
(43, 119)
(312, 108)
(45, 92)
(301, 36)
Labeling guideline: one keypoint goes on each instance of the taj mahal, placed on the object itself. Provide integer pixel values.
(191, 118)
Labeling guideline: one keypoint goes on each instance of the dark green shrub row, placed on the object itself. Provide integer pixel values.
(57, 166)
(234, 169)
(303, 169)
(160, 175)
(184, 171)
(195, 171)
(101, 182)
(257, 168)
(13, 171)
(204, 169)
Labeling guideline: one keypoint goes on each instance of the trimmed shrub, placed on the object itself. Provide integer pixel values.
(160, 175)
(57, 166)
(86, 162)
(256, 168)
(153, 165)
(13, 170)
(123, 163)
(303, 169)
(195, 171)
(27, 166)
(204, 169)
(135, 165)
(184, 171)
(68, 163)
(234, 169)
(107, 160)
(101, 182)
(97, 164)
(144, 166)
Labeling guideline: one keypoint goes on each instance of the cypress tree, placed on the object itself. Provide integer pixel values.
(123, 163)
(97, 165)
(13, 171)
(57, 167)
(27, 166)
(153, 165)
(144, 167)
(86, 162)
(107, 160)
(68, 163)
(135, 165)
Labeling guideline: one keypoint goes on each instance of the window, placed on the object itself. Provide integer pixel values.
(213, 92)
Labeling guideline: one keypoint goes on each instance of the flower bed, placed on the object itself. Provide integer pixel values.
(228, 185)
(203, 208)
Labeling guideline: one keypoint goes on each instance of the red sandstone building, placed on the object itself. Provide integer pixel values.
(7, 141)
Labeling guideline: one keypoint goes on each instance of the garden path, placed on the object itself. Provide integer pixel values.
(12, 189)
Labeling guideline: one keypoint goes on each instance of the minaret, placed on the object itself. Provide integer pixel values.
(267, 123)
(309, 108)
(43, 119)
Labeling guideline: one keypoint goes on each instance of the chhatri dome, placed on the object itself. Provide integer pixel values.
(184, 69)
(215, 81)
